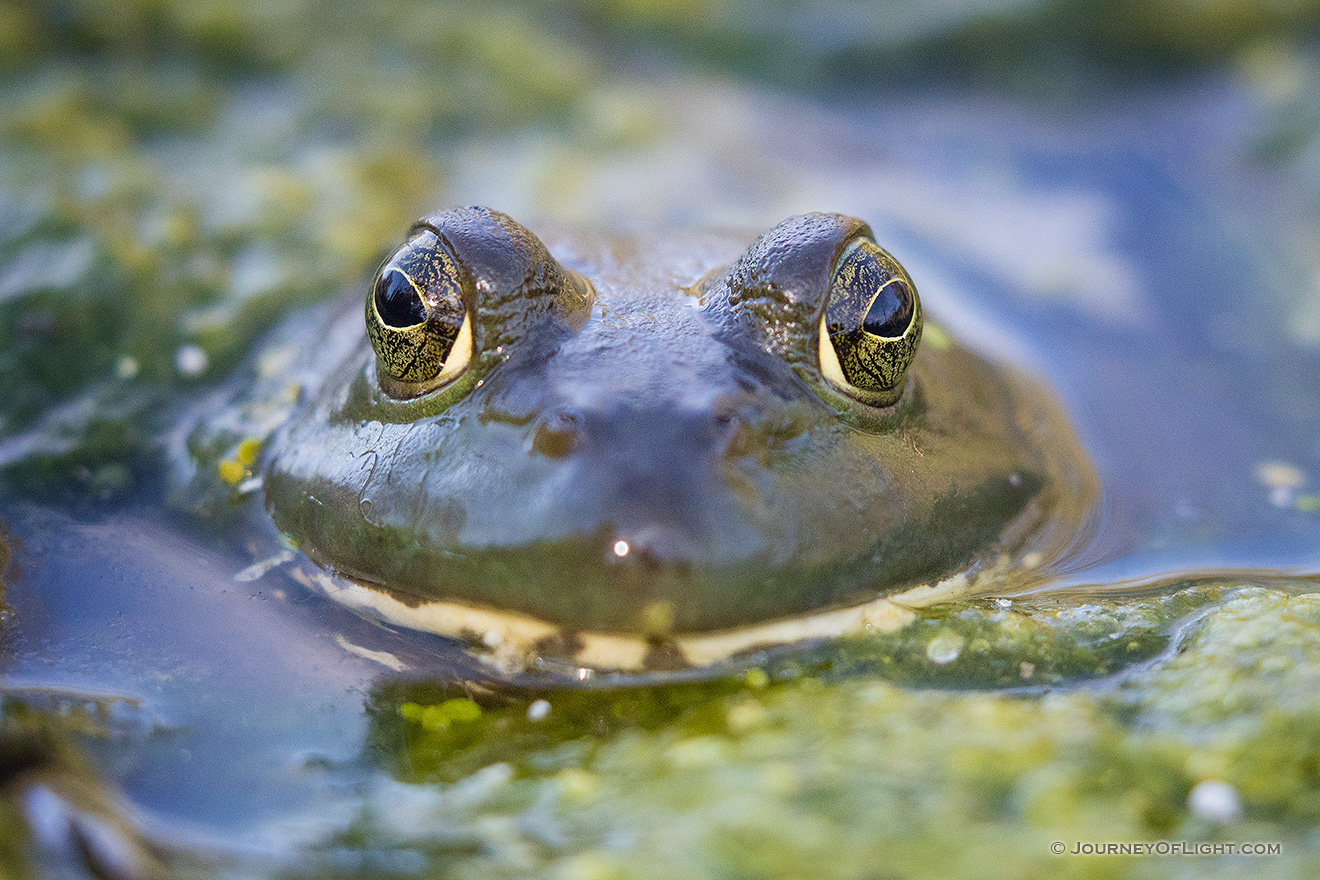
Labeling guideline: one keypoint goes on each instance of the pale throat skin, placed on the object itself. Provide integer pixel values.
(642, 463)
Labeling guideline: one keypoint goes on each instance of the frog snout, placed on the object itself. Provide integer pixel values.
(655, 478)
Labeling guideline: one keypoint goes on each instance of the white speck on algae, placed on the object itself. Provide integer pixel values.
(1214, 801)
(945, 647)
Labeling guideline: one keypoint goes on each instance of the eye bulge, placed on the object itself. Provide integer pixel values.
(817, 291)
(871, 324)
(416, 319)
(421, 327)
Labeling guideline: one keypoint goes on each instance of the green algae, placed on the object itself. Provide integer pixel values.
(1246, 693)
(862, 777)
(1028, 649)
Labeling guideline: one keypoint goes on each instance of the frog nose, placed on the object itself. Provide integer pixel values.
(633, 439)
(655, 478)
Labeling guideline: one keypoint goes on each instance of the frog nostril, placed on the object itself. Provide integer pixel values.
(556, 439)
(740, 440)
(733, 434)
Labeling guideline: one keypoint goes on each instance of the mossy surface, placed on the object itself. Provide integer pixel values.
(773, 776)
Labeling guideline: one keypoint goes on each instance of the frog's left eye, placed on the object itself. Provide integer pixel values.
(871, 325)
(416, 318)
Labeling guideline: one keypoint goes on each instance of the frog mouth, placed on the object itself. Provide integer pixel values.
(512, 642)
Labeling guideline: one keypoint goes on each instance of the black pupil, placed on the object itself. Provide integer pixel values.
(891, 312)
(397, 300)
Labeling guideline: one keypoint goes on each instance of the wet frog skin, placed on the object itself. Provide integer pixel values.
(655, 453)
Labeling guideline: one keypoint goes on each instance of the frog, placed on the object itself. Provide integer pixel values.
(653, 454)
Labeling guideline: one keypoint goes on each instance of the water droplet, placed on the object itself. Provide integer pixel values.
(127, 367)
(191, 360)
(944, 648)
(1214, 801)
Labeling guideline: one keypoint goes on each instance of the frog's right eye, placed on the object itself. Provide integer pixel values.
(418, 323)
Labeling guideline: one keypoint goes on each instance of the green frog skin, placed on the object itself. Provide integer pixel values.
(645, 454)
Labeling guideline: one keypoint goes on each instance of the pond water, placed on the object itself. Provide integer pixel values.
(1141, 239)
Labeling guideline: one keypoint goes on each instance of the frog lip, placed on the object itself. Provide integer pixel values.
(511, 642)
